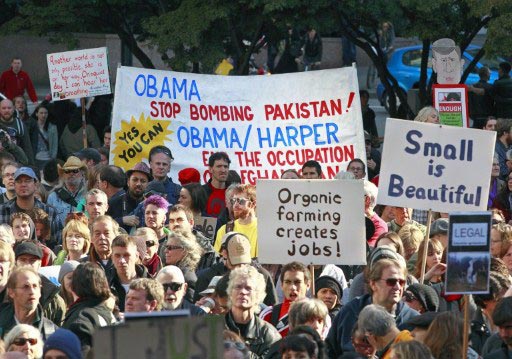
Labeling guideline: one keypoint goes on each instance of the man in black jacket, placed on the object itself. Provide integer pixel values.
(502, 317)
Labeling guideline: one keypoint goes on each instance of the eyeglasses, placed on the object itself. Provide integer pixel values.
(22, 341)
(171, 247)
(150, 243)
(174, 286)
(240, 201)
(75, 171)
(391, 282)
(409, 297)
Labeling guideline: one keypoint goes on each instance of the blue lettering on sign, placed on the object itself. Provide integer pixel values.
(151, 86)
(462, 152)
(211, 137)
(319, 133)
(444, 193)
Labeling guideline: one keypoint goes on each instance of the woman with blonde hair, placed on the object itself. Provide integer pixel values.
(76, 240)
(434, 268)
(428, 114)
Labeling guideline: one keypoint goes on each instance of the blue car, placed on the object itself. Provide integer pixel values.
(405, 65)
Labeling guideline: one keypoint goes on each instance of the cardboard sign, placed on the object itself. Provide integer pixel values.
(266, 124)
(452, 103)
(443, 168)
(77, 74)
(468, 258)
(162, 337)
(311, 221)
(206, 225)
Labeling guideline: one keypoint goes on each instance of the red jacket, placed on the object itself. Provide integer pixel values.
(12, 85)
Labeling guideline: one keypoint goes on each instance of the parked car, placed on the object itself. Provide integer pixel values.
(405, 65)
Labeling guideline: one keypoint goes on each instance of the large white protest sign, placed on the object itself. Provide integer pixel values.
(314, 222)
(442, 168)
(161, 337)
(77, 74)
(265, 123)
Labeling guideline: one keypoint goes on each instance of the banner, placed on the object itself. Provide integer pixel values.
(311, 221)
(452, 103)
(162, 338)
(468, 259)
(77, 74)
(442, 168)
(265, 123)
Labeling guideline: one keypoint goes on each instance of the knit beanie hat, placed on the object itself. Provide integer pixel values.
(426, 295)
(65, 341)
(327, 281)
(67, 267)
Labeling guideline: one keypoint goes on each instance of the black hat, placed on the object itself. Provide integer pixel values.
(28, 248)
(327, 281)
(423, 320)
(89, 154)
(155, 187)
(426, 295)
(439, 226)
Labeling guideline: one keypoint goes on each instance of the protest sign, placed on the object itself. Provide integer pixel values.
(51, 272)
(162, 337)
(468, 258)
(78, 74)
(265, 123)
(442, 168)
(311, 221)
(452, 103)
(206, 225)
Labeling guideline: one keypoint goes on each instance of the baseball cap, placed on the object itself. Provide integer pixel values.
(28, 248)
(155, 187)
(238, 248)
(211, 286)
(25, 171)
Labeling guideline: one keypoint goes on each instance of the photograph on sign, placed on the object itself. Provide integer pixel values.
(468, 257)
(427, 166)
(311, 221)
(78, 74)
(452, 103)
(467, 272)
(265, 125)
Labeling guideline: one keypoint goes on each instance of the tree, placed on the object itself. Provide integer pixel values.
(60, 19)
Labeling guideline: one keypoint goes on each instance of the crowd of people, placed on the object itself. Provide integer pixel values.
(131, 242)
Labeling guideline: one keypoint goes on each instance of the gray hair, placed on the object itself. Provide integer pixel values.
(371, 191)
(193, 250)
(376, 320)
(250, 274)
(32, 332)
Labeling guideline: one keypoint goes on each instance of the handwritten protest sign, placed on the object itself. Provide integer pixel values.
(315, 221)
(265, 123)
(77, 74)
(468, 259)
(162, 337)
(452, 103)
(206, 225)
(443, 168)
(51, 272)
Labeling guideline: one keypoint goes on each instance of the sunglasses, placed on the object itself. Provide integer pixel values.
(171, 247)
(174, 286)
(150, 243)
(22, 341)
(240, 201)
(409, 297)
(71, 171)
(391, 282)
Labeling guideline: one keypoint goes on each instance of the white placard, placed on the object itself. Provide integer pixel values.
(77, 74)
(311, 221)
(266, 124)
(443, 168)
(469, 234)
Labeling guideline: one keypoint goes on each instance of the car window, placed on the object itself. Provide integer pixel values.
(412, 58)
